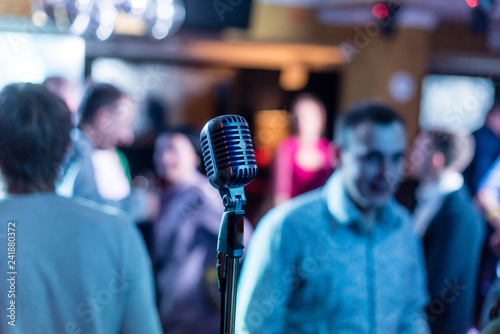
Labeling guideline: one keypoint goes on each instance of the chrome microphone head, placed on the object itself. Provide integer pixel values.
(228, 152)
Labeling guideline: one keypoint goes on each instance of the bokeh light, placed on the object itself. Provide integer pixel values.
(380, 10)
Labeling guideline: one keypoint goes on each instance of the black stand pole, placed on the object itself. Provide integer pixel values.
(229, 250)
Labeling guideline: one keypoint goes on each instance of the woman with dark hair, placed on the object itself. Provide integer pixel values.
(303, 161)
(80, 269)
(185, 237)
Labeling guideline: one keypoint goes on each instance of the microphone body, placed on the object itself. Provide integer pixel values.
(230, 163)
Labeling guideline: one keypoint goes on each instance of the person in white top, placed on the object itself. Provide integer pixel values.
(94, 168)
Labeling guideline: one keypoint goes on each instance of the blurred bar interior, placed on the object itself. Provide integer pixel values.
(187, 61)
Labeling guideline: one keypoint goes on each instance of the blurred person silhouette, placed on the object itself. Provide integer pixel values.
(95, 169)
(487, 150)
(185, 237)
(80, 268)
(303, 161)
(342, 258)
(488, 199)
(450, 226)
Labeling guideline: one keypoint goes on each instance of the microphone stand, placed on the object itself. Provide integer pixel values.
(229, 250)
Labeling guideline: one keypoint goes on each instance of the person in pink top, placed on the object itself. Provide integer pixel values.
(305, 160)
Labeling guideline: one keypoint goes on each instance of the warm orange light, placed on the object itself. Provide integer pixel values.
(271, 127)
(294, 77)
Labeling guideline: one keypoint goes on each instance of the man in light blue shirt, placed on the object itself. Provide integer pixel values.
(343, 258)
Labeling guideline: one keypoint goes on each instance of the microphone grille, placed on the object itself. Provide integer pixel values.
(234, 157)
(205, 148)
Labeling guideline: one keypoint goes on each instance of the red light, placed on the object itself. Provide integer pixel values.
(472, 3)
(380, 10)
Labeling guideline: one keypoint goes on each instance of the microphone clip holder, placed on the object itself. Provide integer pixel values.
(233, 198)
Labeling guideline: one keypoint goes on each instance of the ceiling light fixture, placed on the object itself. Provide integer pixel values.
(101, 18)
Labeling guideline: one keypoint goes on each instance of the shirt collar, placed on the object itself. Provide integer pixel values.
(343, 209)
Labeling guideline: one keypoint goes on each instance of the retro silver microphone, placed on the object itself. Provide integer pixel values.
(230, 163)
(228, 152)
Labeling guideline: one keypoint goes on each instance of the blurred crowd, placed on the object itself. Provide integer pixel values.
(101, 249)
